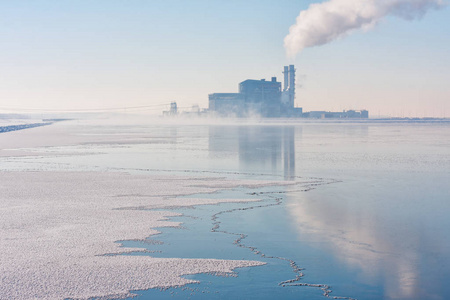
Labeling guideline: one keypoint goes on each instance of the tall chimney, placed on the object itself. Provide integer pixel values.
(291, 85)
(286, 78)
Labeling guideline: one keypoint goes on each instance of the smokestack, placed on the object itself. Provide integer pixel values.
(286, 78)
(291, 79)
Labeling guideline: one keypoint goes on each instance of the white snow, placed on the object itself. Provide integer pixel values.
(55, 228)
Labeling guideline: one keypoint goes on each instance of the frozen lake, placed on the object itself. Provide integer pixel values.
(357, 210)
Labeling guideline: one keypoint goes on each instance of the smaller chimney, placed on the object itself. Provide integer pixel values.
(274, 79)
(292, 79)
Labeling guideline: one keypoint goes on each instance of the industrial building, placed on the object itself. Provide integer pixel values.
(264, 98)
(259, 97)
(346, 114)
(173, 111)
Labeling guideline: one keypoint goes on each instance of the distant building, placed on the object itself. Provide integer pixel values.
(227, 103)
(262, 97)
(364, 114)
(259, 97)
(349, 114)
(173, 110)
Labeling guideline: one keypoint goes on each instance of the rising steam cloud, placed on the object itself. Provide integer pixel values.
(324, 22)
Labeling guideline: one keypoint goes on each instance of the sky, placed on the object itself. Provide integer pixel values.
(107, 54)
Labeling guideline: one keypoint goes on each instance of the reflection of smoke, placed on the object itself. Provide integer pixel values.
(361, 245)
(324, 22)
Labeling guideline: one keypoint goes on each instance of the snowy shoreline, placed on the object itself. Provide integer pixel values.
(22, 126)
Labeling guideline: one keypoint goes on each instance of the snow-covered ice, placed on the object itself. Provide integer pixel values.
(56, 227)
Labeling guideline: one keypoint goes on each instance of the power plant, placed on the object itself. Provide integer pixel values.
(259, 97)
(266, 99)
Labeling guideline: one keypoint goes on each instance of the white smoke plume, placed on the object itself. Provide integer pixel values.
(324, 22)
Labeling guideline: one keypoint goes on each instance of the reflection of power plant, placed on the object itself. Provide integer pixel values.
(259, 97)
(289, 152)
(260, 148)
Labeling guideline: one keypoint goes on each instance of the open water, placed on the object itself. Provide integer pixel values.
(372, 223)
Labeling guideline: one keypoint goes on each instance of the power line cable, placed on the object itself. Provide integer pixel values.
(84, 110)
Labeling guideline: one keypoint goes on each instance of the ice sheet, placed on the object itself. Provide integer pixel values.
(56, 227)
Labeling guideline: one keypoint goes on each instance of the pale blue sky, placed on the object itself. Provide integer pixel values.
(103, 54)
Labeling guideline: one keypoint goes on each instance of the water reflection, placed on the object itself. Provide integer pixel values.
(289, 152)
(385, 254)
(259, 148)
(383, 229)
(386, 220)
